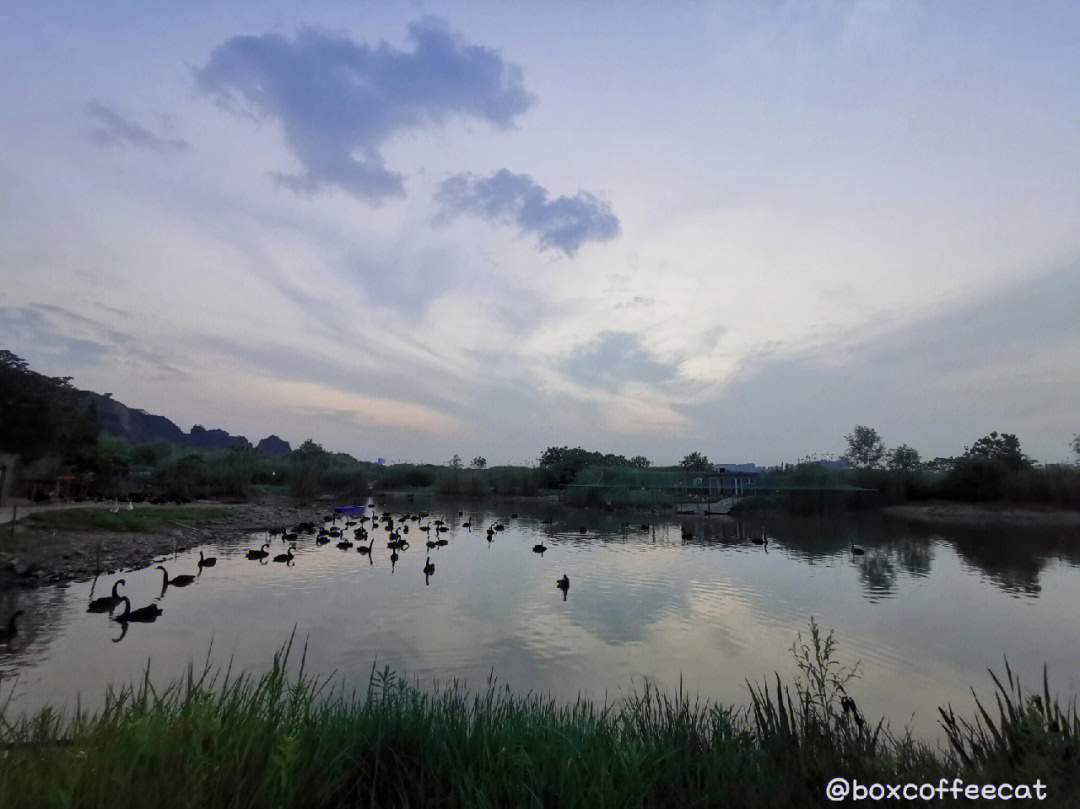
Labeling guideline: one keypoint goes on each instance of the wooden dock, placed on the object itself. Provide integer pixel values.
(717, 507)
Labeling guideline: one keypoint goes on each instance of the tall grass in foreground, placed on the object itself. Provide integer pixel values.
(290, 741)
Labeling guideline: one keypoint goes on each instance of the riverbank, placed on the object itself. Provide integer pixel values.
(285, 741)
(951, 513)
(62, 545)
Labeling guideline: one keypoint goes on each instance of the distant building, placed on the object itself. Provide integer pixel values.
(731, 480)
(737, 467)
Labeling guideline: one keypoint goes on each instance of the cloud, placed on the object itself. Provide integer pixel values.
(76, 343)
(370, 412)
(339, 101)
(115, 130)
(1004, 360)
(565, 223)
(615, 358)
(29, 326)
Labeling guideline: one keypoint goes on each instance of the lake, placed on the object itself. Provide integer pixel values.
(924, 610)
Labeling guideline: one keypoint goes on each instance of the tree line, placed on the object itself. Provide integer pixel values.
(54, 428)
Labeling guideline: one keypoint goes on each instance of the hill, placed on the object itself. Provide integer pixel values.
(42, 414)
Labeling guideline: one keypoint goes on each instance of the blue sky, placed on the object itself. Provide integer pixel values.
(414, 230)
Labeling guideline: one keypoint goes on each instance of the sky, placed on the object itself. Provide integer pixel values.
(409, 230)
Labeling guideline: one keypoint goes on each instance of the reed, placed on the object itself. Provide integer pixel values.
(288, 739)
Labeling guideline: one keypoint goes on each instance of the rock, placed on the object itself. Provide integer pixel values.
(23, 569)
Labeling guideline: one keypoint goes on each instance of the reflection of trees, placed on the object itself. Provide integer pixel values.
(714, 531)
(814, 539)
(878, 572)
(915, 557)
(1012, 558)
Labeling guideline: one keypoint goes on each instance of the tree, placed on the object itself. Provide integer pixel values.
(41, 415)
(865, 448)
(904, 459)
(641, 462)
(12, 362)
(455, 462)
(553, 456)
(561, 464)
(696, 462)
(1076, 446)
(309, 451)
(479, 462)
(1004, 448)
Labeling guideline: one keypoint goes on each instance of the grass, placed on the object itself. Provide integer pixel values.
(139, 519)
(287, 740)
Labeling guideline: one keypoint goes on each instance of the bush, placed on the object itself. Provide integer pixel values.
(974, 479)
(508, 481)
(406, 476)
(1054, 485)
(304, 483)
(459, 483)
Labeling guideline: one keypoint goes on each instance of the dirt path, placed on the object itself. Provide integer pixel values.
(23, 510)
(32, 555)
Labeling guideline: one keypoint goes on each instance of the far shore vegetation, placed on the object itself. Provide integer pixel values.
(62, 451)
(287, 739)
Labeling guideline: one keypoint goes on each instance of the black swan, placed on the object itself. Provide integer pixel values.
(175, 581)
(144, 614)
(106, 603)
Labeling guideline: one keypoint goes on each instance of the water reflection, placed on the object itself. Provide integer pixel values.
(1013, 560)
(877, 573)
(915, 557)
(706, 601)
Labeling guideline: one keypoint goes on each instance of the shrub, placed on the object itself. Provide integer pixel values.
(975, 479)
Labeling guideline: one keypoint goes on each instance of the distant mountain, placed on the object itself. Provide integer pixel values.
(41, 414)
(116, 418)
(215, 439)
(272, 445)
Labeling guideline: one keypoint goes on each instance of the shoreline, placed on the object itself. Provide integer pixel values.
(41, 556)
(950, 513)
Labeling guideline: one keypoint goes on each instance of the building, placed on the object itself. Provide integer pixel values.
(728, 480)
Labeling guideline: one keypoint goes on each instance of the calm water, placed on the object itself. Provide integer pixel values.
(926, 611)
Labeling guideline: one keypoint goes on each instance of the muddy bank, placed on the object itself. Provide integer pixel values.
(982, 514)
(33, 556)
